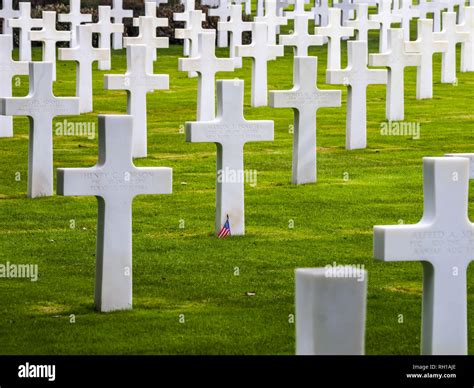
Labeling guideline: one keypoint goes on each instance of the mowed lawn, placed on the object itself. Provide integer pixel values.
(187, 272)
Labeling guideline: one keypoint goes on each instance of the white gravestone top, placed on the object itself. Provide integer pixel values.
(321, 13)
(272, 20)
(7, 12)
(147, 36)
(235, 26)
(469, 156)
(206, 64)
(396, 59)
(222, 12)
(105, 28)
(300, 39)
(362, 24)
(49, 36)
(453, 35)
(230, 131)
(431, 7)
(9, 68)
(426, 44)
(444, 242)
(115, 181)
(185, 16)
(137, 81)
(386, 18)
(347, 8)
(41, 105)
(356, 77)
(74, 18)
(467, 48)
(25, 23)
(305, 98)
(334, 31)
(84, 54)
(118, 14)
(261, 52)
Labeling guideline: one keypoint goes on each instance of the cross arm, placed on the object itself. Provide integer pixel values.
(155, 180)
(189, 64)
(116, 82)
(336, 77)
(76, 182)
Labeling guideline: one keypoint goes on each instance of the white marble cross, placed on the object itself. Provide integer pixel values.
(453, 35)
(444, 242)
(334, 31)
(115, 181)
(356, 77)
(246, 3)
(191, 33)
(105, 28)
(406, 12)
(272, 20)
(147, 36)
(386, 18)
(41, 106)
(49, 36)
(469, 156)
(9, 68)
(235, 26)
(305, 98)
(396, 59)
(206, 64)
(300, 39)
(299, 9)
(118, 14)
(25, 23)
(230, 131)
(362, 24)
(261, 52)
(321, 13)
(185, 16)
(330, 311)
(84, 54)
(431, 7)
(150, 10)
(222, 12)
(347, 8)
(137, 81)
(7, 12)
(467, 48)
(426, 45)
(74, 18)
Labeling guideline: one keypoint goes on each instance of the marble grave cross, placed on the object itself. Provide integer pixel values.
(118, 14)
(362, 24)
(137, 81)
(356, 77)
(25, 23)
(386, 18)
(426, 44)
(235, 26)
(7, 12)
(49, 36)
(41, 106)
(467, 48)
(261, 52)
(334, 31)
(105, 28)
(74, 18)
(435, 8)
(272, 20)
(305, 98)
(407, 12)
(230, 131)
(453, 35)
(222, 12)
(300, 39)
(444, 242)
(185, 16)
(9, 69)
(396, 59)
(115, 181)
(84, 54)
(321, 13)
(206, 64)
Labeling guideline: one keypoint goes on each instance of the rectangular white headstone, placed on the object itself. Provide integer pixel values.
(115, 181)
(330, 311)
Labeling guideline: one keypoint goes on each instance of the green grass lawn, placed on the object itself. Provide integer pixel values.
(187, 271)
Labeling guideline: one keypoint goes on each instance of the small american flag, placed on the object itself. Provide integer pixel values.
(225, 231)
